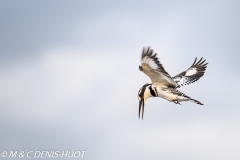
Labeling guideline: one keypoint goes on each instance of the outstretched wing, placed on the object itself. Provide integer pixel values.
(154, 69)
(194, 73)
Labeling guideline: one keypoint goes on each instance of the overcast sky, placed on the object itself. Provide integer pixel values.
(69, 78)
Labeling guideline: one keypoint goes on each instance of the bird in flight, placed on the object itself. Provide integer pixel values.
(163, 85)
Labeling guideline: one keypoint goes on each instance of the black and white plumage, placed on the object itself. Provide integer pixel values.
(163, 85)
(192, 74)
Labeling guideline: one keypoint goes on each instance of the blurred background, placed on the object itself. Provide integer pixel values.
(69, 78)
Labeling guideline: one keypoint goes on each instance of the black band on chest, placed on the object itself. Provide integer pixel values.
(152, 91)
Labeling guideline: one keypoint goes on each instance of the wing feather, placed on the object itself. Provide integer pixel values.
(154, 69)
(192, 74)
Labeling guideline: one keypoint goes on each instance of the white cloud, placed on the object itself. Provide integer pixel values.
(46, 85)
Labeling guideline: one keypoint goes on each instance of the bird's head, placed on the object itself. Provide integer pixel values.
(143, 95)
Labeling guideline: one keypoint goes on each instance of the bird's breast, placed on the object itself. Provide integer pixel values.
(166, 93)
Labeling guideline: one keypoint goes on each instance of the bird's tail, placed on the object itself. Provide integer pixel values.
(195, 101)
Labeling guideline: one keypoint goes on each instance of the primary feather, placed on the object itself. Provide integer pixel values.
(152, 67)
(192, 74)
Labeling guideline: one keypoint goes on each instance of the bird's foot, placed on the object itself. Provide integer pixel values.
(176, 102)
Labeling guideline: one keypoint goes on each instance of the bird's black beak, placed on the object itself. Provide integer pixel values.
(141, 108)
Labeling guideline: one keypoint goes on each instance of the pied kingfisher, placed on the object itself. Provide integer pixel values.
(163, 85)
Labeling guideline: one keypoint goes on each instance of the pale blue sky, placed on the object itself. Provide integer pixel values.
(69, 78)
